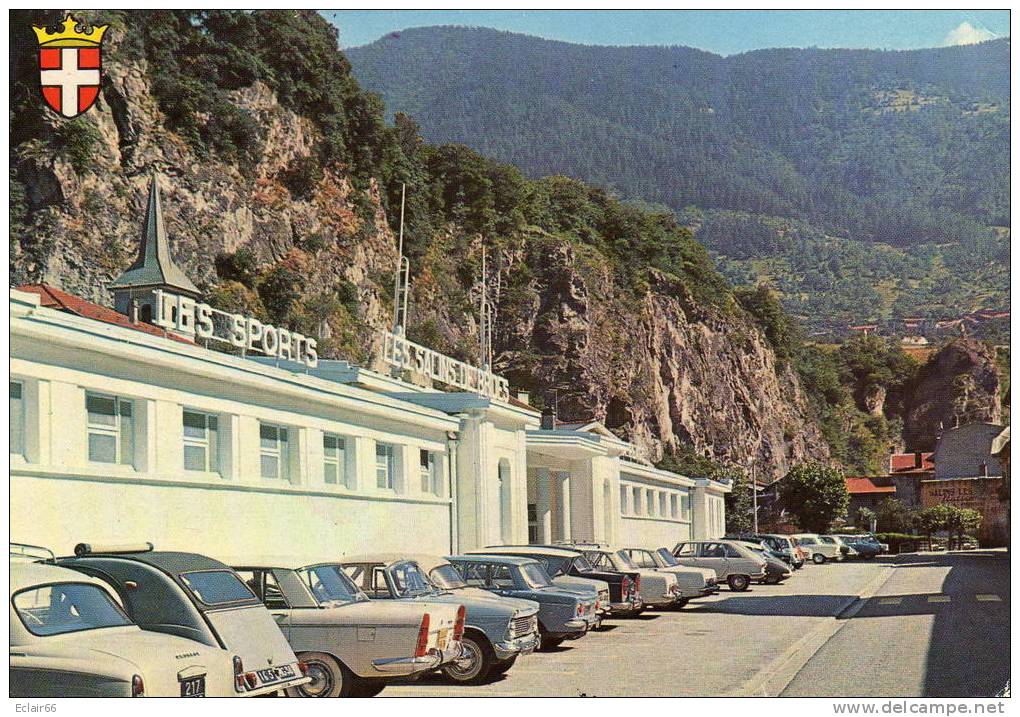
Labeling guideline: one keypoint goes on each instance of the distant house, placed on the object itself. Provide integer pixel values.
(913, 341)
(865, 329)
(969, 474)
(868, 492)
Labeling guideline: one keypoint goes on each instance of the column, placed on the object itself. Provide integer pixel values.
(543, 504)
(68, 425)
(408, 475)
(229, 438)
(362, 477)
(169, 439)
(564, 485)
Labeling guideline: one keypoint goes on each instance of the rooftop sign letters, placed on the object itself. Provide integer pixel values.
(404, 354)
(192, 318)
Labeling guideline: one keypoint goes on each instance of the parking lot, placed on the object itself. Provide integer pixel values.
(775, 638)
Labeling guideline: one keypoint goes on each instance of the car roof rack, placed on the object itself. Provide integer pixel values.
(98, 548)
(33, 552)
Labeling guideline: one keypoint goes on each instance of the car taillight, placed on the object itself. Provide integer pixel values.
(251, 679)
(238, 674)
(637, 584)
(580, 609)
(423, 637)
(137, 686)
(303, 666)
(458, 627)
(625, 588)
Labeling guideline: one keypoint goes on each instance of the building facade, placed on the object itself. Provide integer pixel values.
(125, 429)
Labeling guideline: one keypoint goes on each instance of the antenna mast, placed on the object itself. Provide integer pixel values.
(402, 277)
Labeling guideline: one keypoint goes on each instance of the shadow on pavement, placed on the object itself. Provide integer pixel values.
(780, 605)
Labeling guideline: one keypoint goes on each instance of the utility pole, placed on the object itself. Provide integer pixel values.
(402, 276)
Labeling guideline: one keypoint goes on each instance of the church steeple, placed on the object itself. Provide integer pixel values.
(154, 268)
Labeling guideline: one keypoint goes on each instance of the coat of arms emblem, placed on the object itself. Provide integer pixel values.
(69, 66)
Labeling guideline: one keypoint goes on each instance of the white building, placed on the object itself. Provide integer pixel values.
(122, 431)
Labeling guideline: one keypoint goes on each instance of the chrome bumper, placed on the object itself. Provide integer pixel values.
(577, 625)
(518, 646)
(414, 665)
(626, 607)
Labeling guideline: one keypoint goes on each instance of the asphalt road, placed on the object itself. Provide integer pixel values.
(938, 627)
(725, 644)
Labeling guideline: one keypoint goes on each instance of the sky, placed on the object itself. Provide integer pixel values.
(720, 31)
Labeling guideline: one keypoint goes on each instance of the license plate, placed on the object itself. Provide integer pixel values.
(193, 687)
(442, 638)
(275, 674)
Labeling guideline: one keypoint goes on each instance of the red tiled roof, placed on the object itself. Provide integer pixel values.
(856, 486)
(903, 462)
(61, 300)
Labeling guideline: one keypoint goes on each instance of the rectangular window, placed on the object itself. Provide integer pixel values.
(663, 510)
(674, 506)
(334, 460)
(275, 455)
(685, 506)
(428, 468)
(623, 501)
(636, 495)
(200, 444)
(650, 495)
(384, 466)
(17, 418)
(111, 429)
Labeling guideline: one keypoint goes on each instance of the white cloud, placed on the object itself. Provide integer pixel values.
(967, 34)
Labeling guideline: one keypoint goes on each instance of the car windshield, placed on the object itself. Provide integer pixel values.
(535, 576)
(330, 584)
(622, 561)
(410, 580)
(667, 557)
(68, 607)
(217, 587)
(446, 577)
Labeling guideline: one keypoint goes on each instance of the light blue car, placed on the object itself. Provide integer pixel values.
(498, 629)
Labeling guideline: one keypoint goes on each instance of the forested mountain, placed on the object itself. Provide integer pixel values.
(909, 149)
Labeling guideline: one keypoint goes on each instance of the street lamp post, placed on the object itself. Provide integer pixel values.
(754, 498)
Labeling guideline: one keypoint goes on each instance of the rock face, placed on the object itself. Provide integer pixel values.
(958, 385)
(650, 362)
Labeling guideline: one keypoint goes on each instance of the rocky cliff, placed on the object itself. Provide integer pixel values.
(316, 251)
(958, 385)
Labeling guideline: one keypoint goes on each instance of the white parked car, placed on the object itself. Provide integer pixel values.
(818, 549)
(658, 589)
(693, 581)
(196, 597)
(350, 645)
(70, 637)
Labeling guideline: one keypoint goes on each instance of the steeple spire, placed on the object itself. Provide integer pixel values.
(154, 268)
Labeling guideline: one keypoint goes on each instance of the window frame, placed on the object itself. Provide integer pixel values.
(389, 483)
(431, 484)
(116, 431)
(20, 423)
(210, 443)
(281, 452)
(339, 460)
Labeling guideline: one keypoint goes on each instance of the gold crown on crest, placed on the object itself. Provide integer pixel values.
(70, 36)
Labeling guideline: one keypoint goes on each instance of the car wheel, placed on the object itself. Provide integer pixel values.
(681, 603)
(474, 663)
(330, 677)
(501, 666)
(738, 583)
(598, 623)
(547, 643)
(773, 580)
(817, 558)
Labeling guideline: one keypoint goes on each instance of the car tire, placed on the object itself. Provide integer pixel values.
(818, 559)
(330, 677)
(475, 663)
(547, 643)
(681, 603)
(738, 583)
(501, 666)
(774, 580)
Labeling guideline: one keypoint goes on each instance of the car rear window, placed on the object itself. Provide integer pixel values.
(217, 587)
(329, 583)
(67, 607)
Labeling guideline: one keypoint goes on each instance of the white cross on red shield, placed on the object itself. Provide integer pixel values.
(70, 78)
